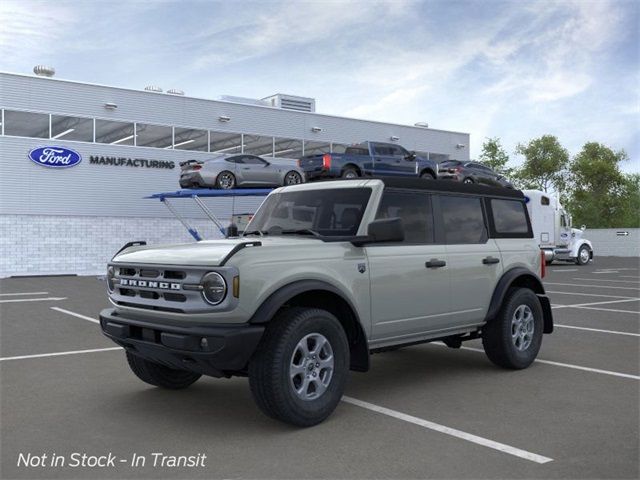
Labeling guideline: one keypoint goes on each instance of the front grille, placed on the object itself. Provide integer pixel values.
(154, 287)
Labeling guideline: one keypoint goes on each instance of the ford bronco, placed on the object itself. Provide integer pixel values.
(326, 274)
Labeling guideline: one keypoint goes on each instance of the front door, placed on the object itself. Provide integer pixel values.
(410, 280)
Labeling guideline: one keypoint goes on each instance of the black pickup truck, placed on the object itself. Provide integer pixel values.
(368, 159)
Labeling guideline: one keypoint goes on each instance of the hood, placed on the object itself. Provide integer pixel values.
(206, 253)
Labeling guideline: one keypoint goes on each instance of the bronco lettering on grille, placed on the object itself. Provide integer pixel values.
(147, 284)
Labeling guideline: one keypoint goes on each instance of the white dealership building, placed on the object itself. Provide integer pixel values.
(127, 144)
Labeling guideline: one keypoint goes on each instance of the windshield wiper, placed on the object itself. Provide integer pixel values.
(255, 232)
(301, 231)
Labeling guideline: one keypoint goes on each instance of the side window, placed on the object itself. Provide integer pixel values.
(463, 220)
(382, 150)
(509, 216)
(415, 211)
(544, 200)
(235, 159)
(251, 160)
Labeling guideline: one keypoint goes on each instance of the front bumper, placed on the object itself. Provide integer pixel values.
(215, 350)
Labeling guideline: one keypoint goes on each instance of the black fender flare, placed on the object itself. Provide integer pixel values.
(359, 344)
(430, 171)
(520, 276)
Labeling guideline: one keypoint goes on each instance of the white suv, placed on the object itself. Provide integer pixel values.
(326, 274)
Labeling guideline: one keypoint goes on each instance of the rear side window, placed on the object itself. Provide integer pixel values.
(510, 218)
(463, 220)
(415, 211)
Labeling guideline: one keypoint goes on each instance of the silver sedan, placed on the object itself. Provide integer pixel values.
(243, 170)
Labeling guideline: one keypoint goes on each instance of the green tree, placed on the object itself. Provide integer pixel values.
(545, 164)
(601, 195)
(494, 156)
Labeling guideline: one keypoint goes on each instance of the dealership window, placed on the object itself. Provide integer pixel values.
(26, 124)
(316, 148)
(415, 211)
(115, 133)
(287, 148)
(509, 216)
(438, 157)
(71, 128)
(157, 136)
(191, 139)
(225, 143)
(258, 145)
(463, 219)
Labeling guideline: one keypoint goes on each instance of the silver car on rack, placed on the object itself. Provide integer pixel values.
(242, 170)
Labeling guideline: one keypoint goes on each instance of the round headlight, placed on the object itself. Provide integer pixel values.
(214, 288)
(111, 273)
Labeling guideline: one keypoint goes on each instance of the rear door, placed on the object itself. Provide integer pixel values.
(409, 298)
(473, 258)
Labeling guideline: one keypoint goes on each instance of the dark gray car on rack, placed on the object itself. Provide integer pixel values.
(242, 170)
(471, 172)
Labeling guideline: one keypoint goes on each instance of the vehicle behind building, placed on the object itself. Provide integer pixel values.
(368, 159)
(552, 228)
(231, 171)
(471, 172)
(326, 274)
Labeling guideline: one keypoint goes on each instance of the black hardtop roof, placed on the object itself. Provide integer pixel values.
(449, 186)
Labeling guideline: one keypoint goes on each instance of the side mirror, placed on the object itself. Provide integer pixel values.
(381, 231)
(583, 228)
(410, 156)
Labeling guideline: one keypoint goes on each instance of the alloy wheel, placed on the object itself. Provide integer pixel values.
(311, 367)
(522, 327)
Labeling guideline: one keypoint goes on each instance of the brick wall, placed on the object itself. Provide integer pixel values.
(48, 245)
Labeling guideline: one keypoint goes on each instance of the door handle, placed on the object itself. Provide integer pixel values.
(435, 263)
(490, 260)
(246, 168)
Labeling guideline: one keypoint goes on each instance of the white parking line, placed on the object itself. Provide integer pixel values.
(74, 314)
(566, 365)
(633, 312)
(597, 330)
(606, 280)
(569, 270)
(23, 293)
(592, 286)
(577, 305)
(629, 276)
(57, 354)
(605, 272)
(587, 294)
(51, 299)
(449, 431)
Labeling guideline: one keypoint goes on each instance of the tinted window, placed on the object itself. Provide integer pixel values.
(544, 201)
(235, 159)
(113, 132)
(330, 212)
(383, 150)
(253, 160)
(72, 128)
(157, 136)
(357, 151)
(463, 220)
(415, 211)
(509, 216)
(26, 124)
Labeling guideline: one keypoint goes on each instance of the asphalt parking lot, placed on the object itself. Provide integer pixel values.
(423, 411)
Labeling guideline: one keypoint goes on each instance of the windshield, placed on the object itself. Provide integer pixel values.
(330, 212)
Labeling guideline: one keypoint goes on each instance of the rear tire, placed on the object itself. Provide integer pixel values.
(225, 180)
(159, 375)
(349, 173)
(513, 339)
(282, 370)
(427, 176)
(292, 178)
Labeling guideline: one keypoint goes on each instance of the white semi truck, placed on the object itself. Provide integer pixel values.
(553, 230)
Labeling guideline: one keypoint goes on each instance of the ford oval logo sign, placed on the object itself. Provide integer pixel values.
(55, 157)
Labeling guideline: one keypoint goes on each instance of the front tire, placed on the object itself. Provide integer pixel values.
(225, 180)
(468, 180)
(584, 255)
(427, 176)
(513, 339)
(299, 371)
(159, 375)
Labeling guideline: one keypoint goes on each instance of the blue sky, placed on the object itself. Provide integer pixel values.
(513, 69)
